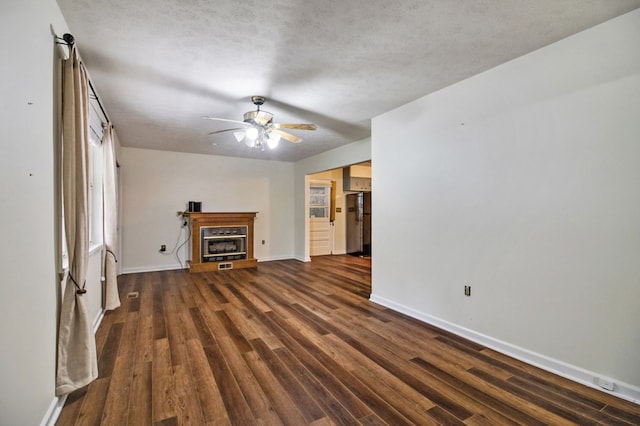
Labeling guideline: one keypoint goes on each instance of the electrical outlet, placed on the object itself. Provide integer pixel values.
(467, 290)
(262, 242)
(163, 248)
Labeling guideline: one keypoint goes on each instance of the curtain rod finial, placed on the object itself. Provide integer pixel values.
(69, 39)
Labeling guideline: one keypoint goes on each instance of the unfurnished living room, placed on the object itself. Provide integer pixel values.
(340, 212)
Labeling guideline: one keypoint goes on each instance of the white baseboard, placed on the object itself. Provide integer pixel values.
(52, 414)
(138, 269)
(589, 378)
(273, 258)
(97, 320)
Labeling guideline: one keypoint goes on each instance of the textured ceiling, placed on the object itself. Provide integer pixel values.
(159, 65)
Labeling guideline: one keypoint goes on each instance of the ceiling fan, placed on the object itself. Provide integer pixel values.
(258, 128)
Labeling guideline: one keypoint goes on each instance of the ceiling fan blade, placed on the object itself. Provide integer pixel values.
(287, 136)
(295, 126)
(227, 130)
(226, 120)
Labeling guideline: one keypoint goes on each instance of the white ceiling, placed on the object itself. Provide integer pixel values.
(159, 65)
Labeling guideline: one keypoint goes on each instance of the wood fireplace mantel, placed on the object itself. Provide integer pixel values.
(205, 227)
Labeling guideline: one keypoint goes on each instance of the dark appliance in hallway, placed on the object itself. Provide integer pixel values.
(359, 224)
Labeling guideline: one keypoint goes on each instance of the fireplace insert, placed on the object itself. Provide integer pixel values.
(222, 243)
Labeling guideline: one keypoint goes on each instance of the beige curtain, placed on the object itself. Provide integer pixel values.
(77, 361)
(110, 209)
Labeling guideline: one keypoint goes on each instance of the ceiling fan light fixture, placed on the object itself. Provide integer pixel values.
(239, 136)
(273, 140)
(251, 133)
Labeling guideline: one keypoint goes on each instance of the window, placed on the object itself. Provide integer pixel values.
(95, 179)
(95, 187)
(319, 201)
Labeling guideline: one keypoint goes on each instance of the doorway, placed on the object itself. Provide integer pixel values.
(349, 180)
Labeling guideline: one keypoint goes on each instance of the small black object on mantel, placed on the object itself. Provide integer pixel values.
(195, 206)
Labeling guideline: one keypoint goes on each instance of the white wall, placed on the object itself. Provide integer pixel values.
(28, 292)
(158, 184)
(522, 182)
(355, 152)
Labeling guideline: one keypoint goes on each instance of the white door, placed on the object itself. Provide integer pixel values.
(319, 213)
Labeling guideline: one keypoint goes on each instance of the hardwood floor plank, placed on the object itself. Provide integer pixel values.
(117, 403)
(103, 333)
(187, 291)
(92, 405)
(173, 421)
(305, 403)
(392, 363)
(206, 338)
(443, 417)
(145, 294)
(163, 387)
(511, 407)
(564, 401)
(217, 294)
(299, 343)
(206, 389)
(188, 409)
(330, 405)
(287, 410)
(308, 359)
(235, 403)
(129, 338)
(69, 413)
(262, 330)
(159, 326)
(397, 393)
(119, 315)
(414, 409)
(629, 415)
(200, 294)
(478, 420)
(133, 305)
(238, 338)
(241, 319)
(108, 355)
(173, 324)
(260, 405)
(549, 382)
(548, 405)
(140, 403)
(368, 397)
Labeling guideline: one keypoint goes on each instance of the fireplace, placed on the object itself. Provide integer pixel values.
(221, 241)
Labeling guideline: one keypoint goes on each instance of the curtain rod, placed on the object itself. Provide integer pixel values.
(69, 40)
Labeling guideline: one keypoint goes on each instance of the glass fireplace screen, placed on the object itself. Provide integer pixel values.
(222, 243)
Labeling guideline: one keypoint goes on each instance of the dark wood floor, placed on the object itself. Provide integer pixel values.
(299, 343)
